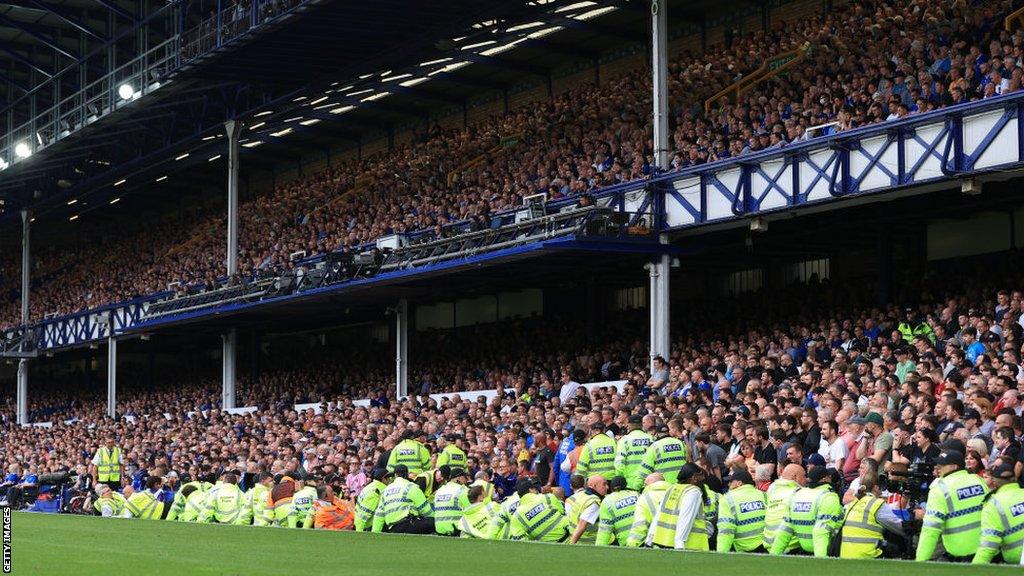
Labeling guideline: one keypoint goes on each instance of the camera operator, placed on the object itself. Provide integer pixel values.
(953, 510)
(867, 522)
(1002, 518)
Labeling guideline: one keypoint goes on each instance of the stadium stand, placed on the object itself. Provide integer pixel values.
(600, 139)
(876, 339)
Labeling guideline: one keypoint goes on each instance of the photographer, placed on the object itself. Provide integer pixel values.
(867, 521)
(953, 510)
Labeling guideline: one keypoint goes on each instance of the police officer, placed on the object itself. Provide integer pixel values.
(813, 517)
(668, 454)
(110, 504)
(107, 463)
(598, 455)
(616, 513)
(501, 523)
(450, 501)
(452, 454)
(302, 502)
(953, 511)
(867, 520)
(1002, 518)
(410, 453)
(538, 517)
(476, 519)
(778, 496)
(403, 508)
(679, 522)
(146, 503)
(225, 503)
(630, 453)
(911, 326)
(584, 508)
(741, 515)
(369, 497)
(646, 507)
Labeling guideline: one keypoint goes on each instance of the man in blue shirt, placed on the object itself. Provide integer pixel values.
(972, 348)
(564, 449)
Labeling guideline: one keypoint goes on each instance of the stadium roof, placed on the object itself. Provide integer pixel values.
(333, 71)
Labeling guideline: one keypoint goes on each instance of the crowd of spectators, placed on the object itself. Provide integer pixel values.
(868, 61)
(809, 380)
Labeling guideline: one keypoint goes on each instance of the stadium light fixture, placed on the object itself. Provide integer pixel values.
(524, 26)
(310, 122)
(73, 218)
(22, 150)
(396, 77)
(125, 91)
(543, 32)
(342, 109)
(161, 179)
(264, 113)
(571, 7)
(502, 48)
(432, 62)
(318, 100)
(478, 44)
(252, 144)
(214, 158)
(596, 12)
(412, 82)
(449, 68)
(293, 119)
(280, 133)
(376, 96)
(115, 200)
(299, 99)
(257, 125)
(72, 202)
(121, 181)
(182, 157)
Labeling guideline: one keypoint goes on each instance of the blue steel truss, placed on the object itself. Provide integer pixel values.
(937, 148)
(963, 141)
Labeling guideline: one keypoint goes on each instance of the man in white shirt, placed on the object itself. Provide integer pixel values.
(690, 505)
(832, 448)
(569, 387)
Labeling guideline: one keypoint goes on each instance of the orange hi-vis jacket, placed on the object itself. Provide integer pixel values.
(337, 515)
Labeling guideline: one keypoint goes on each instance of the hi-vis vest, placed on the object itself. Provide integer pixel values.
(145, 505)
(779, 494)
(476, 520)
(646, 508)
(668, 516)
(109, 469)
(598, 457)
(575, 506)
(862, 532)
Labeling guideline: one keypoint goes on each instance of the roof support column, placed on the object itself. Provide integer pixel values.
(660, 342)
(230, 338)
(112, 375)
(22, 392)
(402, 349)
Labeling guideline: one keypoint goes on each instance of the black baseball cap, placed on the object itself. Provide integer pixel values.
(817, 475)
(950, 457)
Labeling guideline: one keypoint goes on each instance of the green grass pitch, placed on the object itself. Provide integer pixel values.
(46, 545)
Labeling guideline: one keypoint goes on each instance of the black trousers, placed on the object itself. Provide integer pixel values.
(412, 525)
